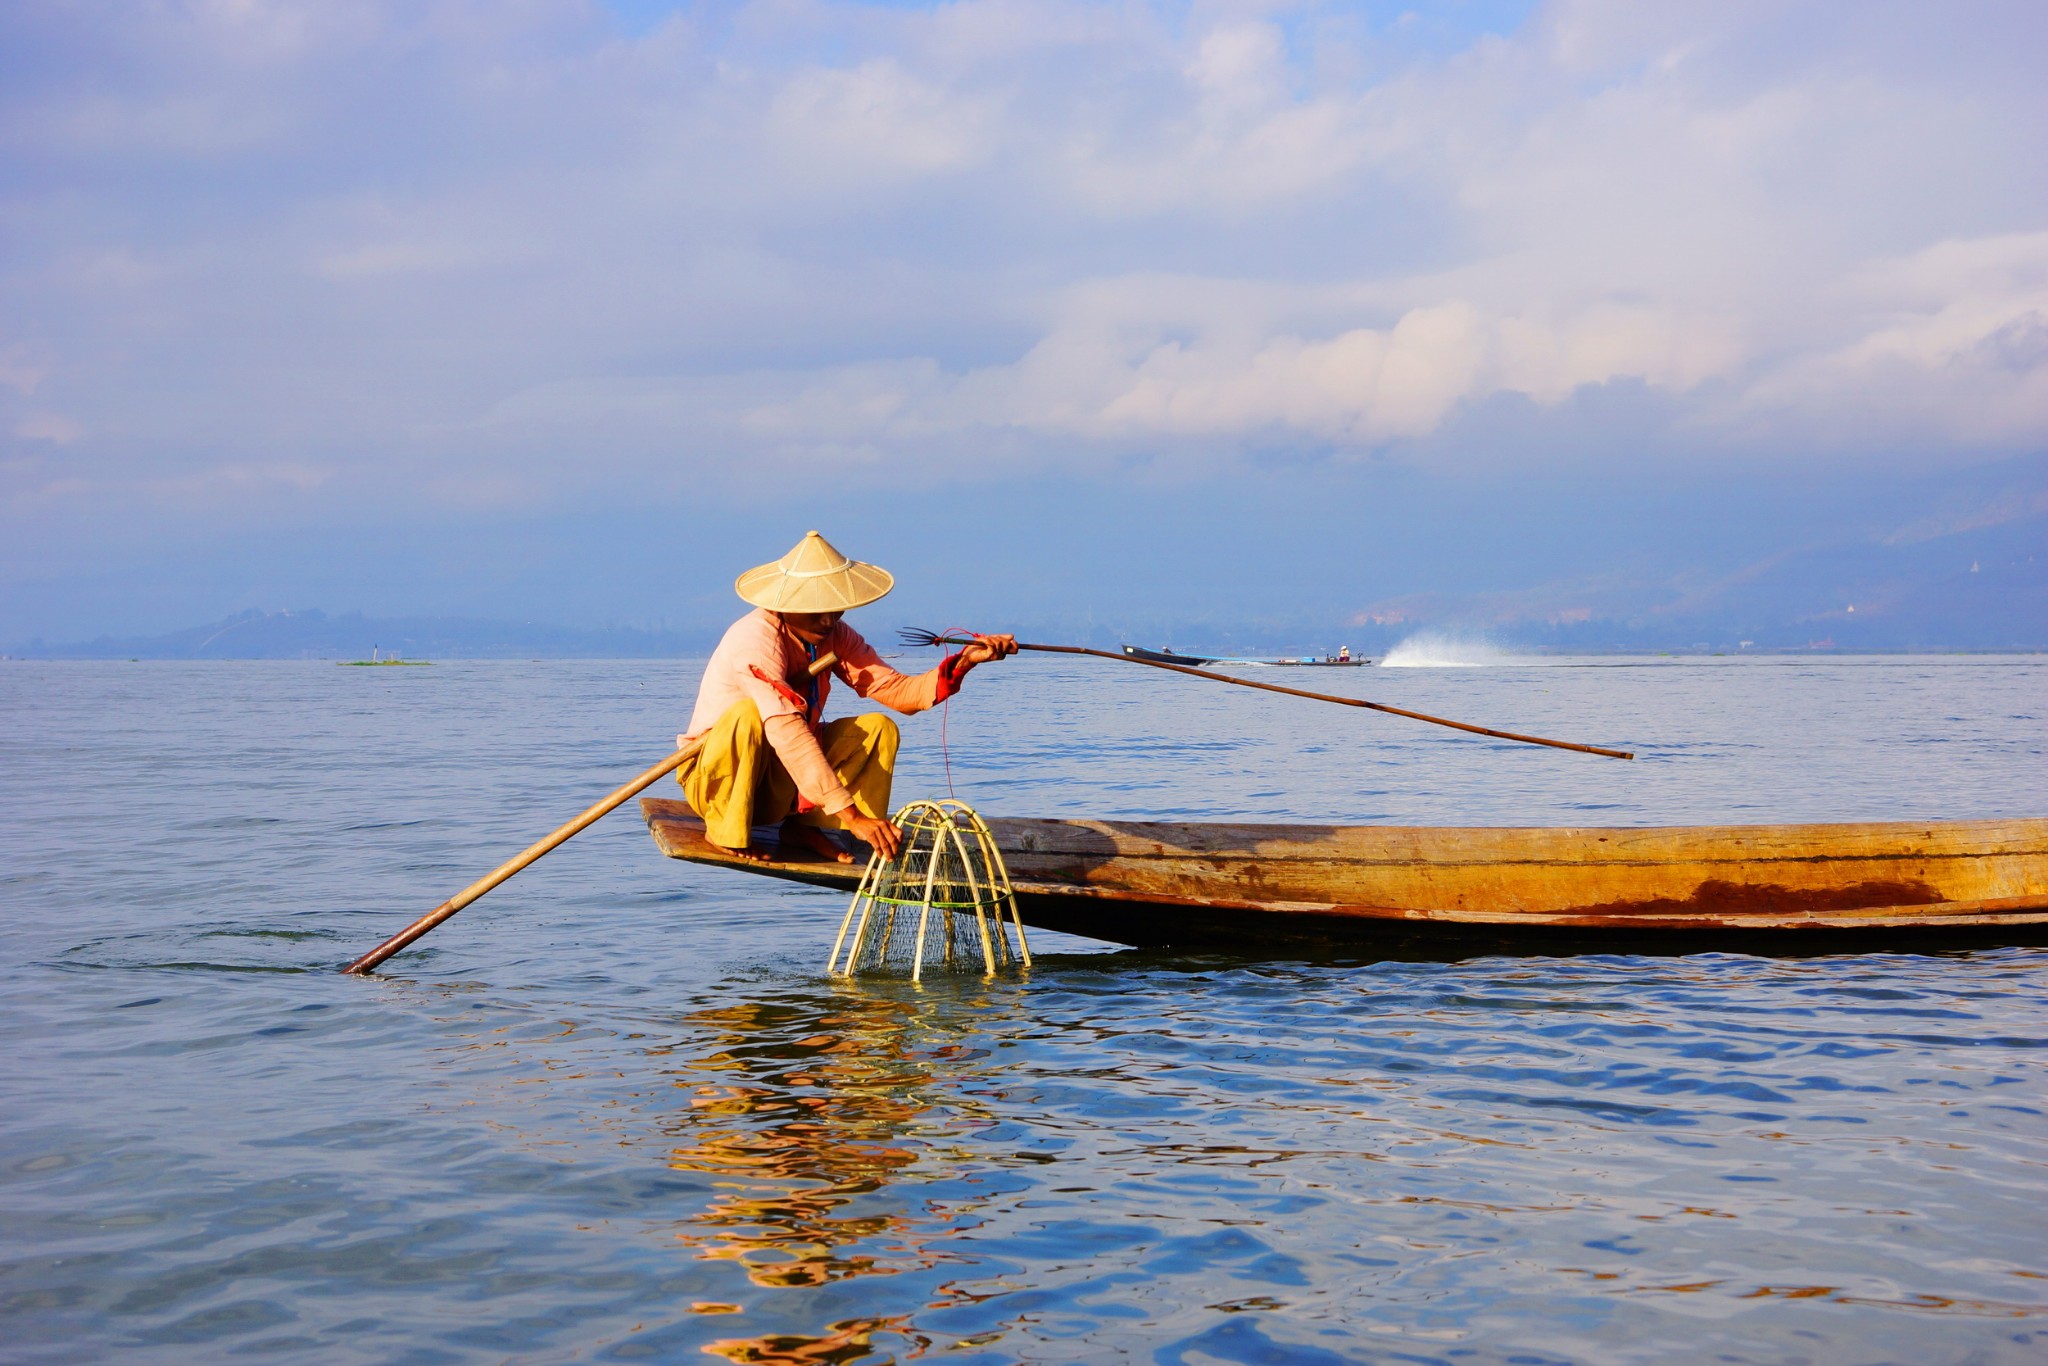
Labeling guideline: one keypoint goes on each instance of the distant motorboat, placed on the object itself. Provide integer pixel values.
(1343, 659)
(1336, 661)
(1164, 656)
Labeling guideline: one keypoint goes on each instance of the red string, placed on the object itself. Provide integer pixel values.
(946, 714)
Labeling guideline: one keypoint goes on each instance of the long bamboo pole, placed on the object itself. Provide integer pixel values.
(533, 852)
(920, 638)
(524, 859)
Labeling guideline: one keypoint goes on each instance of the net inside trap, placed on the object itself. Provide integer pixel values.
(941, 899)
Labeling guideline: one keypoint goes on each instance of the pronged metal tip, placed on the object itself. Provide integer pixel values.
(914, 637)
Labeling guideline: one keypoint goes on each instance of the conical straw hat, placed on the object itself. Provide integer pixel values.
(814, 577)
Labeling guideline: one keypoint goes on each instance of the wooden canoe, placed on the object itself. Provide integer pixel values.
(1798, 888)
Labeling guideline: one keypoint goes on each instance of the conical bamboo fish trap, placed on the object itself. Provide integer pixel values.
(949, 863)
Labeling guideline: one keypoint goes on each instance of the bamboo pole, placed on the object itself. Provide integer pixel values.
(926, 638)
(534, 852)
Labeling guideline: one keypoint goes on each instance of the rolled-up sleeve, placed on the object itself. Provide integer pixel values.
(861, 669)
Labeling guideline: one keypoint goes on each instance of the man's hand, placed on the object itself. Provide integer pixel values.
(885, 838)
(986, 648)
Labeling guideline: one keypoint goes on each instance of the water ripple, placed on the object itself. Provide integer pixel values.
(615, 1113)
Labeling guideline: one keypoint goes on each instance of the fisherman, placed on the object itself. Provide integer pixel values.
(768, 756)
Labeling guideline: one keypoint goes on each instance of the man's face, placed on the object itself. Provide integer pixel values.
(811, 627)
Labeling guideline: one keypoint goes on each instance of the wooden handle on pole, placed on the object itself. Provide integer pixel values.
(1327, 697)
(533, 852)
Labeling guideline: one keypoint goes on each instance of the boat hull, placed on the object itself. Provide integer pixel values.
(1246, 887)
(1166, 656)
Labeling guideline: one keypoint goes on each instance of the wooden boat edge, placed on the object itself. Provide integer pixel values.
(679, 835)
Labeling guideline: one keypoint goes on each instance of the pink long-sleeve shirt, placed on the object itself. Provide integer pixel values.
(759, 641)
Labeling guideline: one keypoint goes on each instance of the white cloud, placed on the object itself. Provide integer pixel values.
(54, 428)
(874, 121)
(21, 370)
(1950, 345)
(511, 242)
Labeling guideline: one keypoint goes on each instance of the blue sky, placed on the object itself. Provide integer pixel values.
(1065, 311)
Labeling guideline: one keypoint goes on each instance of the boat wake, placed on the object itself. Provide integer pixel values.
(1444, 650)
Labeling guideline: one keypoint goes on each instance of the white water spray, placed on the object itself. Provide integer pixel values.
(1444, 650)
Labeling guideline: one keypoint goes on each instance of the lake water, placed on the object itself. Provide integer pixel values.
(616, 1112)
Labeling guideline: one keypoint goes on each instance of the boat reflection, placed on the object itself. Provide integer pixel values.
(845, 1342)
(805, 1127)
(824, 1102)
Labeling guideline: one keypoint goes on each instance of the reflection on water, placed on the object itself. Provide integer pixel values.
(1245, 1159)
(791, 1118)
(802, 1111)
(616, 1113)
(798, 1130)
(847, 1341)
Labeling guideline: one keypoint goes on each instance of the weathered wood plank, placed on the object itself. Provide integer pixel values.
(1155, 882)
(1526, 844)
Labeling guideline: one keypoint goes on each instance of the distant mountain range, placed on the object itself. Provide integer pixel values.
(316, 635)
(1971, 577)
(1965, 584)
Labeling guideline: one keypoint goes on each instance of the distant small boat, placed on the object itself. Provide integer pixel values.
(1165, 656)
(1342, 660)
(1778, 888)
(1326, 662)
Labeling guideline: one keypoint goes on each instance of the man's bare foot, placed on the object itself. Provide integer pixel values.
(753, 853)
(813, 840)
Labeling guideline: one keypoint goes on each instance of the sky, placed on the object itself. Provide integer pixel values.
(1109, 317)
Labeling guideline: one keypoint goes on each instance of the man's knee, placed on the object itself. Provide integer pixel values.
(741, 720)
(735, 741)
(879, 734)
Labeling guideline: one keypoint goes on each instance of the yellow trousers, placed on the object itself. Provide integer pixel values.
(735, 782)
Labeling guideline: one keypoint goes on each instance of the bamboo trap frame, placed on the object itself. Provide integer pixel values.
(949, 863)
